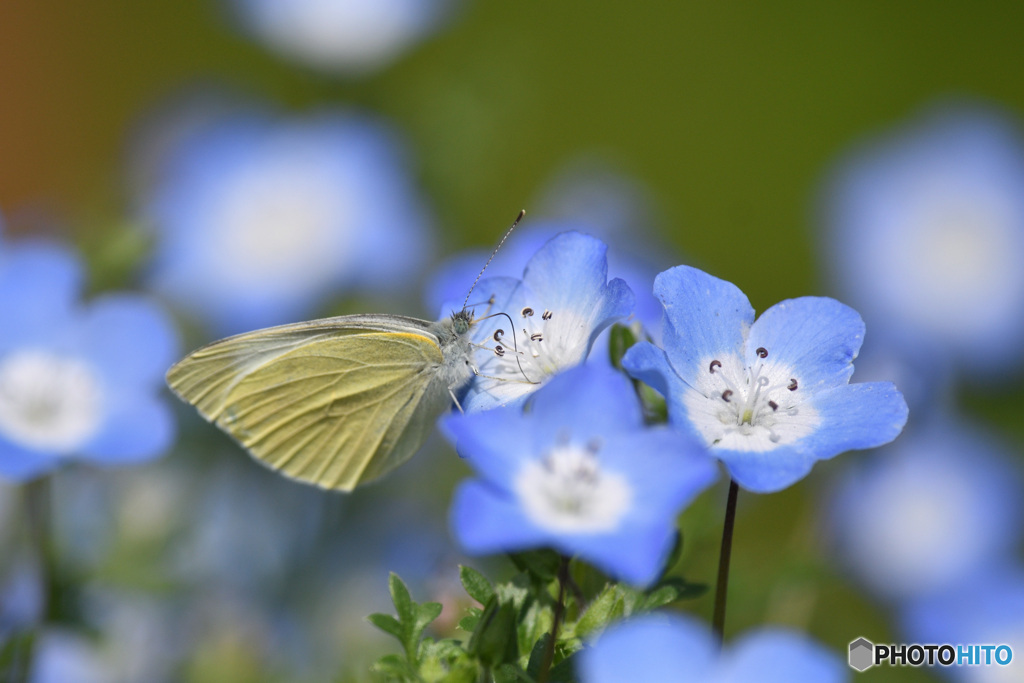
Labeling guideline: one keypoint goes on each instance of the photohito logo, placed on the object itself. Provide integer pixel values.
(864, 654)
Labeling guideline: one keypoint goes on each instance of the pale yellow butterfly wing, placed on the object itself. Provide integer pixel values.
(337, 402)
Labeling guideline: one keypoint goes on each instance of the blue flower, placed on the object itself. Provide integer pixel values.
(77, 382)
(929, 511)
(926, 236)
(555, 313)
(987, 608)
(578, 472)
(452, 279)
(769, 398)
(347, 36)
(662, 648)
(258, 222)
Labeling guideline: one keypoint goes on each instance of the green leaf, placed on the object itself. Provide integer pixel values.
(425, 614)
(402, 600)
(476, 584)
(494, 641)
(388, 624)
(607, 607)
(620, 338)
(468, 623)
(394, 667)
(510, 673)
(542, 564)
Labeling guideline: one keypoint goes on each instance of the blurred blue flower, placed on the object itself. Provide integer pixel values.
(927, 236)
(557, 310)
(346, 36)
(986, 608)
(579, 472)
(770, 398)
(928, 511)
(260, 221)
(662, 648)
(77, 382)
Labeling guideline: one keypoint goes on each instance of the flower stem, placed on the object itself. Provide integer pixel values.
(549, 651)
(718, 622)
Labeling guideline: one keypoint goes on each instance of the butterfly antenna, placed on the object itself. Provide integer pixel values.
(493, 254)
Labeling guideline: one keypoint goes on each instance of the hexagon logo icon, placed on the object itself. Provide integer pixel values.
(862, 654)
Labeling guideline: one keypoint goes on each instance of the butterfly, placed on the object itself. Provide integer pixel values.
(336, 402)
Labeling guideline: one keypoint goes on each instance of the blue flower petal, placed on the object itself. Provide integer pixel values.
(651, 648)
(39, 284)
(571, 271)
(21, 464)
(856, 416)
(137, 428)
(817, 336)
(580, 394)
(775, 655)
(130, 339)
(495, 439)
(767, 471)
(485, 521)
(649, 364)
(638, 552)
(706, 317)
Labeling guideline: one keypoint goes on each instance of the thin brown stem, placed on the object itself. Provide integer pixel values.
(549, 651)
(722, 588)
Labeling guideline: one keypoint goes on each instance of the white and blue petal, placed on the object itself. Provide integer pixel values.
(856, 416)
(486, 521)
(554, 314)
(816, 336)
(705, 318)
(136, 427)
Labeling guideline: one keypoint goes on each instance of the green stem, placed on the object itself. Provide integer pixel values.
(549, 651)
(722, 588)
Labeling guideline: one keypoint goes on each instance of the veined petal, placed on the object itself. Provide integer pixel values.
(706, 317)
(856, 416)
(817, 336)
(571, 270)
(767, 471)
(601, 391)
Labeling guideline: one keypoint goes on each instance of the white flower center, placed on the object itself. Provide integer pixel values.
(282, 223)
(48, 402)
(545, 343)
(568, 492)
(748, 408)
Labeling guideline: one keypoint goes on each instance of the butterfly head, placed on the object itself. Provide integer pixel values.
(462, 321)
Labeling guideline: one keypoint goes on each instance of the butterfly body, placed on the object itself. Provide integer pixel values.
(335, 402)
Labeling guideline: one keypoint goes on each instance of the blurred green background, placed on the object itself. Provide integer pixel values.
(729, 113)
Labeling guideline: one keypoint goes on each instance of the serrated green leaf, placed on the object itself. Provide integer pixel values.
(394, 666)
(425, 614)
(468, 623)
(535, 620)
(388, 624)
(402, 600)
(608, 606)
(510, 673)
(476, 584)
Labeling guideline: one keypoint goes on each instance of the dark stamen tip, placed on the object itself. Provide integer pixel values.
(792, 384)
(527, 312)
(773, 405)
(714, 364)
(726, 394)
(761, 352)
